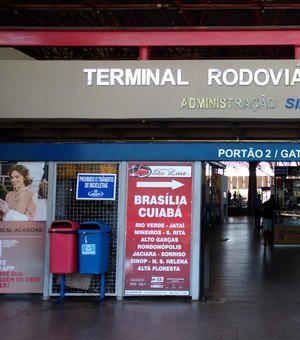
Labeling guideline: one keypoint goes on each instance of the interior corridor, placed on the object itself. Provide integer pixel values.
(242, 269)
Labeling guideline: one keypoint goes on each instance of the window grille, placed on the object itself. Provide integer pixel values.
(68, 208)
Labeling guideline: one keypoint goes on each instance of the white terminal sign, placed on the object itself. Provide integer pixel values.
(173, 89)
(161, 77)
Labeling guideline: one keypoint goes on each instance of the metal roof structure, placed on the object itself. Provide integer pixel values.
(156, 30)
(153, 16)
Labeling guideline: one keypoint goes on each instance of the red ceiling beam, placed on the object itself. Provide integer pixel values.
(142, 37)
(146, 6)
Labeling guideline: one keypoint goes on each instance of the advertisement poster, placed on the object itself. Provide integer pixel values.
(158, 231)
(23, 198)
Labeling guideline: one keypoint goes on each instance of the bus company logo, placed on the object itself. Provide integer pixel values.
(139, 170)
(157, 282)
(95, 193)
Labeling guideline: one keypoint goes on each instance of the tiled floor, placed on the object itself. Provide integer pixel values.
(254, 294)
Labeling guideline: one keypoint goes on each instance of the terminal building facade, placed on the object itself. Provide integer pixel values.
(139, 142)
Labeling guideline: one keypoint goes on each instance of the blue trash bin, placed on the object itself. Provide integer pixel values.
(94, 237)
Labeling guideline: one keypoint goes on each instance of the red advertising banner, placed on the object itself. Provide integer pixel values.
(158, 230)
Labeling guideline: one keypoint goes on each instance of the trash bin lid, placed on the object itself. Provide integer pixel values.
(64, 225)
(90, 231)
(95, 225)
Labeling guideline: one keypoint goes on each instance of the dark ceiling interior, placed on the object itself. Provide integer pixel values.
(122, 15)
(151, 130)
(152, 14)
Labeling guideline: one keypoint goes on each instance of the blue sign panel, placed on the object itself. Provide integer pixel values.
(238, 151)
(96, 187)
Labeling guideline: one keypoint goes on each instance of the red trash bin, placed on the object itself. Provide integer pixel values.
(64, 247)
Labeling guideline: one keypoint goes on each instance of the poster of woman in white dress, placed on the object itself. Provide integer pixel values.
(23, 192)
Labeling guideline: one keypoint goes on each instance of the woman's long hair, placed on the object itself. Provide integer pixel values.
(21, 169)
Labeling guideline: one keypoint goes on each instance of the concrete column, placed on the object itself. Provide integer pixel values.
(252, 187)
